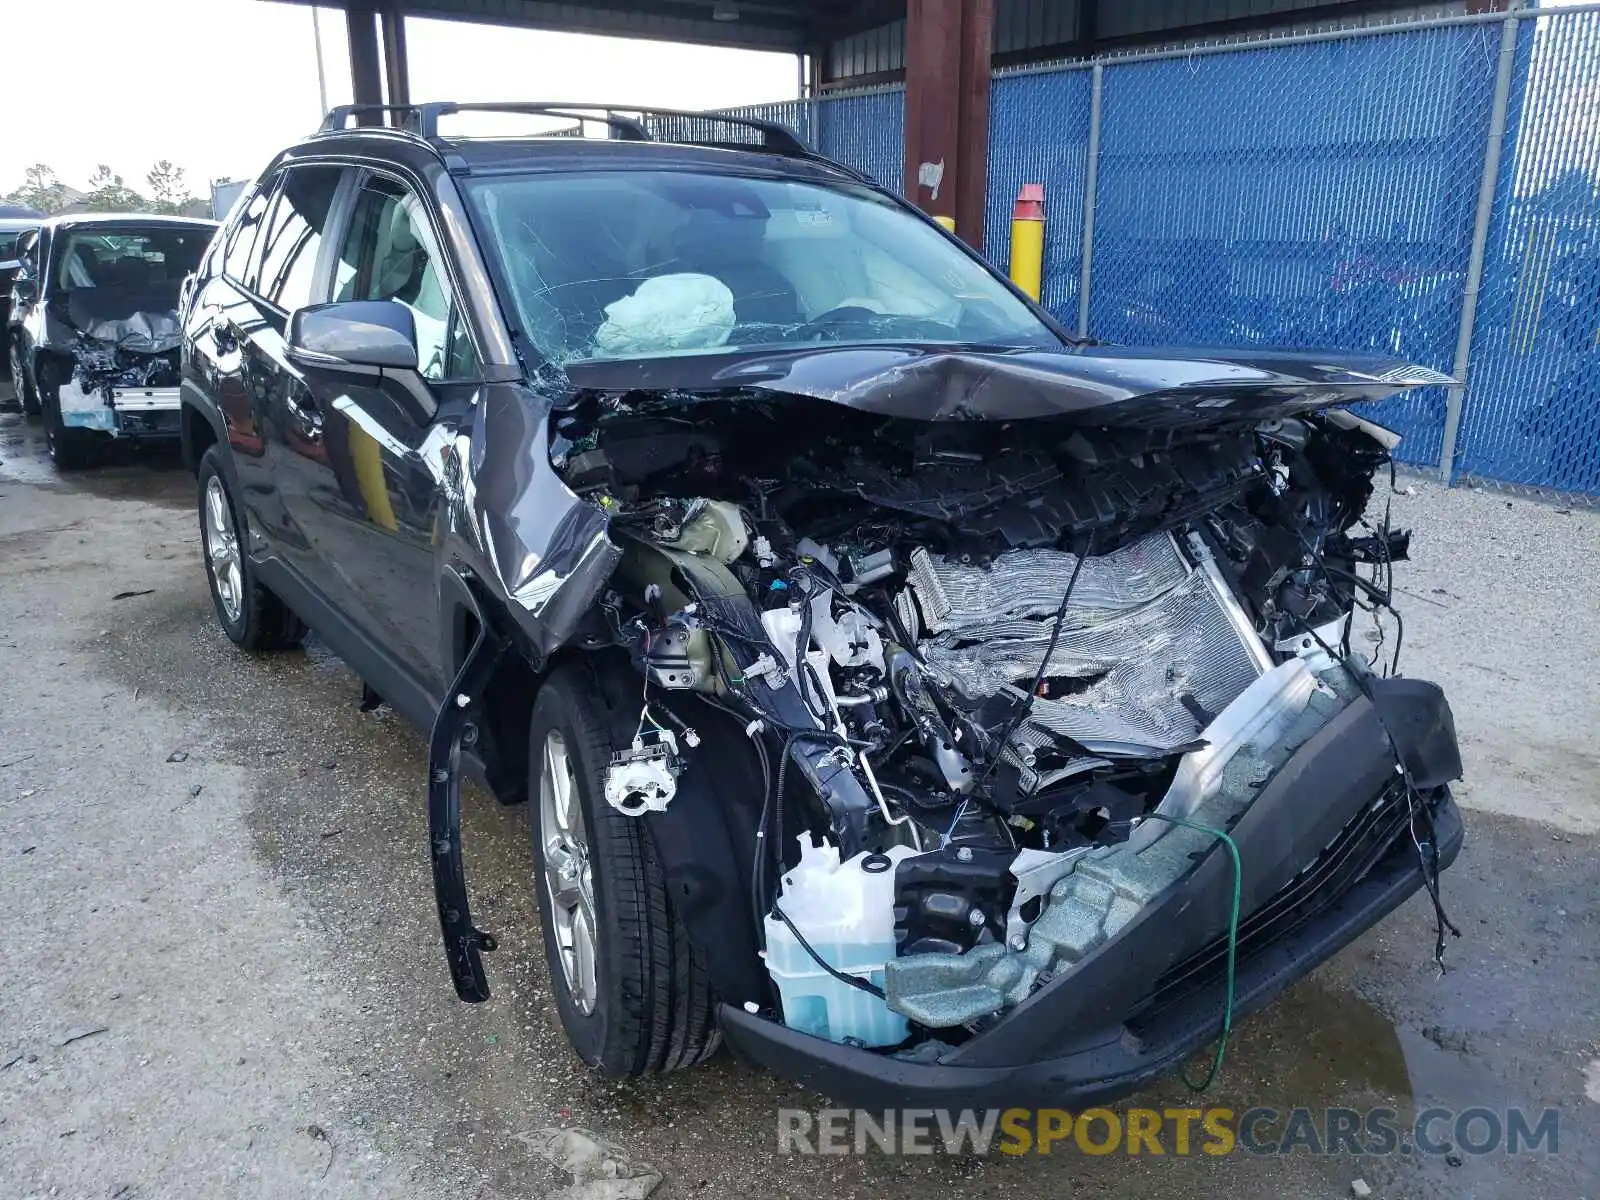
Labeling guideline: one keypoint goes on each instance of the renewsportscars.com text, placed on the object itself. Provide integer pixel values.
(1174, 1131)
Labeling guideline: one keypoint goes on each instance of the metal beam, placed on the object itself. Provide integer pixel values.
(366, 76)
(396, 67)
(947, 110)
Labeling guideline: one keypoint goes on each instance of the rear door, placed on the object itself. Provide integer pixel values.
(220, 318)
(288, 270)
(377, 528)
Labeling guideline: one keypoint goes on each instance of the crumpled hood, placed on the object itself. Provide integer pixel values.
(1105, 385)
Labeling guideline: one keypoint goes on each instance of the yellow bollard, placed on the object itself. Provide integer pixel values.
(1027, 239)
(948, 223)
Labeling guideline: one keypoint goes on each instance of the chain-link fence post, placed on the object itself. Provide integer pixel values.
(1090, 182)
(1456, 394)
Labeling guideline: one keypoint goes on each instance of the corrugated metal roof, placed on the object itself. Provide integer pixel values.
(787, 25)
(1057, 27)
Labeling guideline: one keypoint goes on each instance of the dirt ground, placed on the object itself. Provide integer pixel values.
(220, 971)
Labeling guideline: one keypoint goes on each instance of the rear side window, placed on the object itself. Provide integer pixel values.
(28, 253)
(294, 235)
(242, 237)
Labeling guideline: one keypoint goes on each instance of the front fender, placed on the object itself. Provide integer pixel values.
(541, 550)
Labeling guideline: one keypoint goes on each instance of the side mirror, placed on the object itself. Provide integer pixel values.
(355, 334)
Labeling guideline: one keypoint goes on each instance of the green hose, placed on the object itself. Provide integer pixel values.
(1233, 947)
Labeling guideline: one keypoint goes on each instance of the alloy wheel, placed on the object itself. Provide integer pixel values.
(568, 876)
(222, 548)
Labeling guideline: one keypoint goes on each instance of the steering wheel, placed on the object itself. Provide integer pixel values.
(838, 323)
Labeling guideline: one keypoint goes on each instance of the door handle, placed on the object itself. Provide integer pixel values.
(223, 331)
(306, 414)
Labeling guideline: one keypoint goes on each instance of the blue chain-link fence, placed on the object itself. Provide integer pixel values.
(865, 131)
(1532, 412)
(1325, 192)
(1315, 195)
(1038, 133)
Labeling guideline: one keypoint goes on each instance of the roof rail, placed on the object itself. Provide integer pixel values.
(339, 116)
(630, 122)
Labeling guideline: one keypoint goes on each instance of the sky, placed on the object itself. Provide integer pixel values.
(219, 86)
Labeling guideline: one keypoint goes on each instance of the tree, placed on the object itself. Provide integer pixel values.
(168, 188)
(40, 189)
(107, 193)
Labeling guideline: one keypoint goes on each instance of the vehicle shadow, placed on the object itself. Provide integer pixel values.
(119, 471)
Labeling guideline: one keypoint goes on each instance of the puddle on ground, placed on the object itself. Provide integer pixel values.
(153, 473)
(1325, 1046)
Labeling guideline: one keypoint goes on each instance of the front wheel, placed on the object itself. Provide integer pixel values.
(631, 990)
(27, 394)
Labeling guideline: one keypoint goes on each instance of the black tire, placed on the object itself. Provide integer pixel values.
(27, 394)
(263, 622)
(653, 1009)
(70, 449)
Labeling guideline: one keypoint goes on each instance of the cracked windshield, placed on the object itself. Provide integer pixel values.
(641, 264)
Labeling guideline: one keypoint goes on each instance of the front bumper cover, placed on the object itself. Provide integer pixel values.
(1326, 853)
(131, 413)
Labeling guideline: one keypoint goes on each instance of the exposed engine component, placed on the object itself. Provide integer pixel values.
(901, 615)
(103, 368)
(948, 901)
(1101, 891)
(1146, 657)
(644, 777)
(679, 657)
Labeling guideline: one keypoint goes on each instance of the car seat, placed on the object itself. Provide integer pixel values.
(730, 248)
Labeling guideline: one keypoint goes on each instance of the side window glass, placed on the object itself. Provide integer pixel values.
(294, 234)
(29, 256)
(242, 237)
(460, 358)
(389, 254)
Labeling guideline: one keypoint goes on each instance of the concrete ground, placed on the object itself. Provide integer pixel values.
(213, 873)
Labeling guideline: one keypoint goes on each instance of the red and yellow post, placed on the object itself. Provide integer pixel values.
(1027, 239)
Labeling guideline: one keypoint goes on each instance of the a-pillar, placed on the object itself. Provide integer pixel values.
(947, 110)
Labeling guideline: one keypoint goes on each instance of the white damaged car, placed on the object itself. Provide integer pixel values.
(94, 330)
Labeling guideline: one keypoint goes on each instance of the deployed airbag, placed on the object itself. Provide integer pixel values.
(669, 312)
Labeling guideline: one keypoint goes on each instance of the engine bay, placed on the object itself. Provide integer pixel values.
(974, 657)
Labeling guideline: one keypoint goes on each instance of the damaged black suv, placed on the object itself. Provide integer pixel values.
(933, 705)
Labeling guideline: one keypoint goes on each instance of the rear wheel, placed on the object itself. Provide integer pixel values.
(630, 988)
(250, 614)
